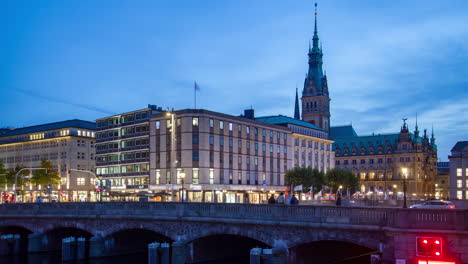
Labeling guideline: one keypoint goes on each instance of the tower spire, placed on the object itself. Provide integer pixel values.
(297, 115)
(315, 38)
(432, 136)
(416, 131)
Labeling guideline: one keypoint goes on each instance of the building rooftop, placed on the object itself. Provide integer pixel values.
(342, 131)
(50, 126)
(283, 120)
(460, 146)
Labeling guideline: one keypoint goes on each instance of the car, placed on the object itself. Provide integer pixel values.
(434, 204)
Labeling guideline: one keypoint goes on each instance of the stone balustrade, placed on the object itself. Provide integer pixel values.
(249, 213)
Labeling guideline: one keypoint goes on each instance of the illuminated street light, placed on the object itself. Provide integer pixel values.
(182, 177)
(405, 176)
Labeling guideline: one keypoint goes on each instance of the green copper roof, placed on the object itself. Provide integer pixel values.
(284, 120)
(342, 131)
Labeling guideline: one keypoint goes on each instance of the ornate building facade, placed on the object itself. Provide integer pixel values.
(378, 161)
(315, 97)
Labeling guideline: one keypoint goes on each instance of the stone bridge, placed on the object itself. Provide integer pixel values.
(115, 227)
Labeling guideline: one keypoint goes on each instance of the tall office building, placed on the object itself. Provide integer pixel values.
(66, 144)
(459, 171)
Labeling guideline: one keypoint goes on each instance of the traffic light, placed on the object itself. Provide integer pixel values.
(47, 170)
(69, 170)
(429, 246)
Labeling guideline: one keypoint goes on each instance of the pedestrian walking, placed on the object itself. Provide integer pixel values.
(280, 199)
(294, 200)
(338, 199)
(272, 199)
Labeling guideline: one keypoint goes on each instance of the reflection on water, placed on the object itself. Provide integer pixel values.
(55, 258)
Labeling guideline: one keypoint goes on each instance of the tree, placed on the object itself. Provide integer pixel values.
(47, 176)
(306, 177)
(3, 174)
(338, 177)
(20, 180)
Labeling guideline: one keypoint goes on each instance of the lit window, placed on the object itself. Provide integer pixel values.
(158, 124)
(466, 172)
(230, 126)
(79, 132)
(88, 134)
(221, 125)
(80, 181)
(211, 176)
(195, 178)
(459, 195)
(63, 180)
(158, 176)
(195, 121)
(363, 175)
(168, 123)
(92, 134)
(459, 172)
(371, 175)
(459, 184)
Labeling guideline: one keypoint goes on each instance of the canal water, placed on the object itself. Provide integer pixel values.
(55, 258)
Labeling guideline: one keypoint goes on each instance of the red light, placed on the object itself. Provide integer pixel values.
(425, 241)
(437, 242)
(420, 261)
(437, 253)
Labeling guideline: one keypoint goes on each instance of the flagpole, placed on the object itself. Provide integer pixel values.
(195, 94)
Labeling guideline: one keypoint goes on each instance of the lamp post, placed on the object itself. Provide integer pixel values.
(182, 177)
(171, 114)
(16, 178)
(405, 176)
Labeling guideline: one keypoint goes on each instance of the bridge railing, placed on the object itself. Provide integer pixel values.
(248, 213)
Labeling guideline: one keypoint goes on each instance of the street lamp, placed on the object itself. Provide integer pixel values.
(182, 177)
(405, 176)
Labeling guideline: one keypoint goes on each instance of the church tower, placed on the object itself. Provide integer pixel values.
(315, 98)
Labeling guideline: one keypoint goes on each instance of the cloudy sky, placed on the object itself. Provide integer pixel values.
(385, 60)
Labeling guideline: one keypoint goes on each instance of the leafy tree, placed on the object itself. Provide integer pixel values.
(345, 178)
(47, 176)
(3, 174)
(21, 181)
(306, 177)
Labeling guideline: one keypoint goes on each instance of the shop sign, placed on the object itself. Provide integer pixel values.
(138, 186)
(195, 187)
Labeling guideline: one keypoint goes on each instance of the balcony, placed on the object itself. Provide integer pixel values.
(135, 147)
(137, 134)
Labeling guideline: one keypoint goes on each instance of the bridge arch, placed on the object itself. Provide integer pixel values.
(133, 240)
(52, 238)
(226, 247)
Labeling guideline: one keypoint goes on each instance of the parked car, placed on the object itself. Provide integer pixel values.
(434, 204)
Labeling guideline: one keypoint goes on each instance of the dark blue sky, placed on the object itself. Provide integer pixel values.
(385, 60)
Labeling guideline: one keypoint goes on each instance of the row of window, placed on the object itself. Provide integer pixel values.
(196, 123)
(460, 195)
(123, 144)
(250, 177)
(123, 119)
(460, 172)
(123, 169)
(460, 183)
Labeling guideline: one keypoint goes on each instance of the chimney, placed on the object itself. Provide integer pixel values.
(249, 113)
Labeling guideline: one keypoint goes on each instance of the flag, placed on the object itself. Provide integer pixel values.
(196, 87)
(298, 188)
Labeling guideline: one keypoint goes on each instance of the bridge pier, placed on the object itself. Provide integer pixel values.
(96, 247)
(153, 254)
(179, 252)
(10, 245)
(37, 243)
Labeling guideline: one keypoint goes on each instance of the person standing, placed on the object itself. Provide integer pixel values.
(272, 199)
(294, 200)
(338, 199)
(280, 199)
